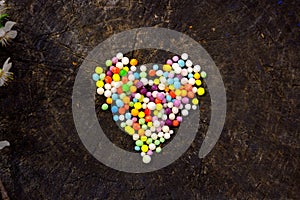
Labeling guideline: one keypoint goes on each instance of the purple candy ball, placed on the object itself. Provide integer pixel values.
(109, 73)
(177, 103)
(114, 60)
(160, 96)
(175, 58)
(151, 98)
(179, 118)
(170, 75)
(154, 87)
(149, 94)
(168, 111)
(150, 152)
(169, 122)
(143, 91)
(169, 62)
(139, 84)
(185, 100)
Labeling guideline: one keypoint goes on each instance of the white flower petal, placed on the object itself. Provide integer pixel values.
(11, 34)
(2, 82)
(8, 26)
(6, 65)
(4, 144)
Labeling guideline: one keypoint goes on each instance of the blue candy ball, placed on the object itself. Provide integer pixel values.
(96, 77)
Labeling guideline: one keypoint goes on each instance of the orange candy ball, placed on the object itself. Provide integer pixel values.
(175, 123)
(134, 62)
(122, 111)
(134, 112)
(136, 126)
(115, 70)
(108, 79)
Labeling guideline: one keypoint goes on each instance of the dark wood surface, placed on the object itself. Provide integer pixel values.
(255, 44)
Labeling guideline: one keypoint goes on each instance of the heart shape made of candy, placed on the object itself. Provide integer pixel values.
(149, 102)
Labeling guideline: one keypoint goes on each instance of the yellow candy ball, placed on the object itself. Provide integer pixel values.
(156, 81)
(149, 124)
(177, 92)
(98, 70)
(198, 82)
(167, 68)
(109, 100)
(129, 130)
(138, 105)
(141, 115)
(200, 91)
(183, 93)
(126, 68)
(195, 101)
(144, 138)
(144, 148)
(158, 107)
(99, 84)
(116, 77)
(171, 87)
(197, 76)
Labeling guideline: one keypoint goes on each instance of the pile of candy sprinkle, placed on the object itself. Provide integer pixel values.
(148, 103)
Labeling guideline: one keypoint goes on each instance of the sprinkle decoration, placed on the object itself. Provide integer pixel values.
(149, 103)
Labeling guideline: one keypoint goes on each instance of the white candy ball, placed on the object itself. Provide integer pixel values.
(161, 86)
(148, 133)
(159, 73)
(184, 72)
(107, 86)
(189, 63)
(100, 91)
(160, 134)
(184, 81)
(184, 56)
(150, 82)
(131, 77)
(137, 96)
(119, 56)
(188, 106)
(192, 81)
(165, 129)
(143, 68)
(172, 116)
(184, 112)
(119, 65)
(156, 124)
(152, 146)
(113, 90)
(194, 107)
(144, 105)
(125, 60)
(135, 137)
(107, 93)
(143, 154)
(129, 122)
(154, 94)
(152, 129)
(190, 69)
(197, 68)
(154, 136)
(167, 136)
(121, 117)
(144, 81)
(175, 65)
(133, 68)
(175, 110)
(146, 159)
